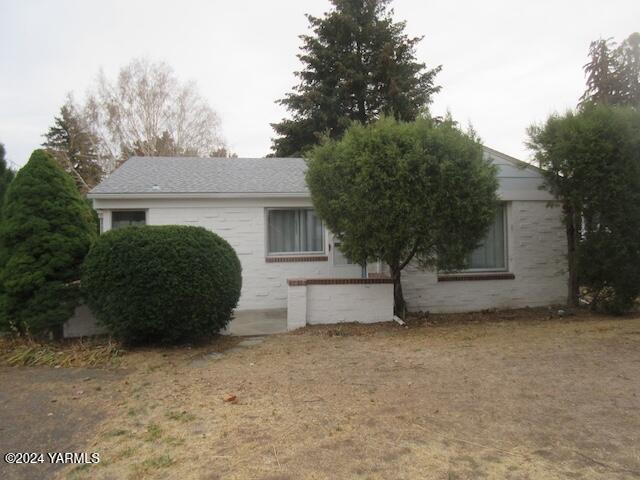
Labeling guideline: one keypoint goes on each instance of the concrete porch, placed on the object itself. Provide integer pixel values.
(257, 322)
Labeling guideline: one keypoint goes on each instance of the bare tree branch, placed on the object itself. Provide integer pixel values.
(146, 111)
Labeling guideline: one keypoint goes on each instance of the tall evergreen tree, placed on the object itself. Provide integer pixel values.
(74, 147)
(613, 73)
(358, 65)
(46, 231)
(629, 53)
(6, 175)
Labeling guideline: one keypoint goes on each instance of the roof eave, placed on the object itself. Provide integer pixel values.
(515, 161)
(165, 195)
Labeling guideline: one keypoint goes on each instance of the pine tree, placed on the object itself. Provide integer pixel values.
(613, 73)
(358, 65)
(74, 147)
(46, 232)
(629, 54)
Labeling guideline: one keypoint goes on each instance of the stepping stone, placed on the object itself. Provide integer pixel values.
(206, 359)
(214, 356)
(246, 343)
(250, 342)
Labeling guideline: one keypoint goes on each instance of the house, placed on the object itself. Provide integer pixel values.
(262, 207)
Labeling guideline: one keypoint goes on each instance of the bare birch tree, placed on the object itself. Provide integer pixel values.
(147, 111)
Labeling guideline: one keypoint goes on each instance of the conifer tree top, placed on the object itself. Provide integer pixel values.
(358, 64)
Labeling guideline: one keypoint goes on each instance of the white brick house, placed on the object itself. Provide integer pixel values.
(263, 209)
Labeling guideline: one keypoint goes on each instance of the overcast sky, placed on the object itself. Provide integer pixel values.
(506, 64)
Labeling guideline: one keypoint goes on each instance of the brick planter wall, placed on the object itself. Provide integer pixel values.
(313, 301)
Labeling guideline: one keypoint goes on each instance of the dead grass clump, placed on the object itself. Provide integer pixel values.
(527, 314)
(77, 353)
(347, 329)
(184, 416)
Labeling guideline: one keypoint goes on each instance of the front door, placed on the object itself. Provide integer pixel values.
(341, 266)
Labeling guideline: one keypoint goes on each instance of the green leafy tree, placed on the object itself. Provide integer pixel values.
(46, 232)
(613, 73)
(398, 191)
(75, 147)
(591, 160)
(6, 175)
(357, 65)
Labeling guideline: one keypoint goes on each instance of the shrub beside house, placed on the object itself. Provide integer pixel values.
(46, 231)
(162, 283)
(591, 162)
(399, 192)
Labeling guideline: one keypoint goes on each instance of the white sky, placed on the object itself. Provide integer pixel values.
(506, 63)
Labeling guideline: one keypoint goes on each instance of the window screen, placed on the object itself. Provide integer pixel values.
(294, 230)
(491, 254)
(127, 218)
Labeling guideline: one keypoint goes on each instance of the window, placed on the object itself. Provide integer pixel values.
(294, 231)
(127, 218)
(338, 256)
(492, 252)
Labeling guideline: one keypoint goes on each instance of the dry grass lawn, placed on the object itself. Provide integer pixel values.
(510, 395)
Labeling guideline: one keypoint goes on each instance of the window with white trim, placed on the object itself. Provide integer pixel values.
(491, 255)
(128, 218)
(294, 230)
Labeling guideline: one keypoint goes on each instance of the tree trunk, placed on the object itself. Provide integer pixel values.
(572, 242)
(361, 94)
(398, 298)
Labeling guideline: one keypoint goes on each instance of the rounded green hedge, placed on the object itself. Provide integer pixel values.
(162, 283)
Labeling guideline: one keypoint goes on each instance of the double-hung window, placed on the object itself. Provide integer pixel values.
(491, 255)
(294, 230)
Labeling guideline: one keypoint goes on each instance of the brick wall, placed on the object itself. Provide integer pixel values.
(82, 324)
(536, 251)
(264, 284)
(537, 272)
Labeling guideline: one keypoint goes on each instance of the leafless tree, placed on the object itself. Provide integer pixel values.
(147, 111)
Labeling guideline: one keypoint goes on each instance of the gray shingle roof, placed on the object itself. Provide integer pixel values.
(190, 175)
(242, 176)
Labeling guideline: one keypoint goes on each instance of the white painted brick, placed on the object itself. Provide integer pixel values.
(536, 245)
(349, 303)
(296, 307)
(537, 258)
(263, 284)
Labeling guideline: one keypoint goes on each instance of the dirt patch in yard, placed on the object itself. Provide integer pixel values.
(51, 410)
(522, 397)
